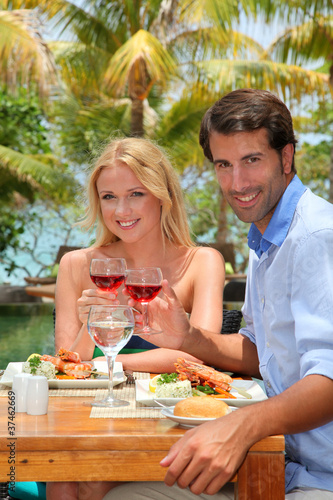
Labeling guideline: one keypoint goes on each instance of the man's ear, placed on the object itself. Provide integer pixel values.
(287, 158)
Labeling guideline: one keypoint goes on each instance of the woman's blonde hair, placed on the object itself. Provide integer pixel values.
(152, 168)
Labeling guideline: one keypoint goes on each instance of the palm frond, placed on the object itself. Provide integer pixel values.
(309, 41)
(290, 81)
(141, 47)
(81, 67)
(25, 56)
(179, 127)
(43, 177)
(220, 13)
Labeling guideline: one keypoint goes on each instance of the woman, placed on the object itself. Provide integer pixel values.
(135, 199)
(136, 202)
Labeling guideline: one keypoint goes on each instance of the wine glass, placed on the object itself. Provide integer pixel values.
(110, 328)
(143, 285)
(108, 274)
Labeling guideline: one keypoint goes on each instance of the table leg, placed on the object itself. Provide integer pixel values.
(261, 477)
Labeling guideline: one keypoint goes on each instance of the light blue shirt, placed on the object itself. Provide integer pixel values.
(288, 312)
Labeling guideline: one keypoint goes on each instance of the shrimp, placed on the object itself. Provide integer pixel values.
(196, 373)
(55, 360)
(69, 355)
(77, 370)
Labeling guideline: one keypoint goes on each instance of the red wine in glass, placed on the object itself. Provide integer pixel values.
(143, 293)
(108, 274)
(143, 285)
(108, 283)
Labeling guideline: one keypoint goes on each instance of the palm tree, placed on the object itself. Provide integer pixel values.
(26, 62)
(153, 67)
(310, 40)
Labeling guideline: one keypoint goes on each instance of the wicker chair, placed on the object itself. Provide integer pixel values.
(231, 321)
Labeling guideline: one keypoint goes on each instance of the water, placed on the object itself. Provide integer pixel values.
(25, 329)
(110, 336)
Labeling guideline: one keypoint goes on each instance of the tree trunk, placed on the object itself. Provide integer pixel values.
(137, 88)
(222, 233)
(137, 128)
(227, 249)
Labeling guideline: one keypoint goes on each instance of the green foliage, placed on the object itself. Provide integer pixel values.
(11, 228)
(313, 166)
(23, 125)
(28, 172)
(202, 194)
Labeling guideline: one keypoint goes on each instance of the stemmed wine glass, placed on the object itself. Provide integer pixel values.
(110, 328)
(108, 274)
(143, 285)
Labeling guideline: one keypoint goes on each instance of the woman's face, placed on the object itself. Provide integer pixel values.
(129, 210)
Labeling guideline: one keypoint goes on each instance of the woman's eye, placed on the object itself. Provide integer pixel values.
(108, 197)
(137, 193)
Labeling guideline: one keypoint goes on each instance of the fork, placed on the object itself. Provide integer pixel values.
(129, 377)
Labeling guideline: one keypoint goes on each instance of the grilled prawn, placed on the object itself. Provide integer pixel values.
(198, 374)
(77, 370)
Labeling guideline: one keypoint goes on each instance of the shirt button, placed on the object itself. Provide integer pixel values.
(267, 344)
(268, 384)
(262, 300)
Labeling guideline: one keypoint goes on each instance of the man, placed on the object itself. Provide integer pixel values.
(288, 310)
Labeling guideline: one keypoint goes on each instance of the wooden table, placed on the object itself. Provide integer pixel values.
(67, 445)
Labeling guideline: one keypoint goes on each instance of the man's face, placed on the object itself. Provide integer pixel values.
(251, 174)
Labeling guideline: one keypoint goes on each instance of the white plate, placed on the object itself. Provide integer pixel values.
(186, 422)
(144, 396)
(95, 383)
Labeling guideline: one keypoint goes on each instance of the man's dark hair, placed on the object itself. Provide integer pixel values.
(247, 110)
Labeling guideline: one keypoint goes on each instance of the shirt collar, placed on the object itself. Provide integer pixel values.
(279, 224)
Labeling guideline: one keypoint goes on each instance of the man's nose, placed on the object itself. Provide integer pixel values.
(239, 179)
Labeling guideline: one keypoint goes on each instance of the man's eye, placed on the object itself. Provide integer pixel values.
(223, 164)
(253, 159)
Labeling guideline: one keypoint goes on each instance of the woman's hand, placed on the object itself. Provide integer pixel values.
(94, 297)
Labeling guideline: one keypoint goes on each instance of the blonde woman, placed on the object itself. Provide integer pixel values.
(136, 202)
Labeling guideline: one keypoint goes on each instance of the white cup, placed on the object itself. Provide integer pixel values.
(37, 395)
(20, 387)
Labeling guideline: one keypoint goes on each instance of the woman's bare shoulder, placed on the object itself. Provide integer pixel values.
(76, 258)
(208, 254)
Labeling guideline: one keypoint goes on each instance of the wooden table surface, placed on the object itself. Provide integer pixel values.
(67, 445)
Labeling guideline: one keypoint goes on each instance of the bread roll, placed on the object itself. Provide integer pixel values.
(201, 407)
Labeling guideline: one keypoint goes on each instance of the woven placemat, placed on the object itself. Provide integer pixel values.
(4, 390)
(74, 392)
(133, 410)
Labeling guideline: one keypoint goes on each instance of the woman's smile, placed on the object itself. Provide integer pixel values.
(127, 224)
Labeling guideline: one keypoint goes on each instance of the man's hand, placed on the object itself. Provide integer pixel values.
(207, 457)
(168, 315)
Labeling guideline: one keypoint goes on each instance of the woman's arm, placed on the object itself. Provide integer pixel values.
(207, 274)
(68, 290)
(153, 361)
